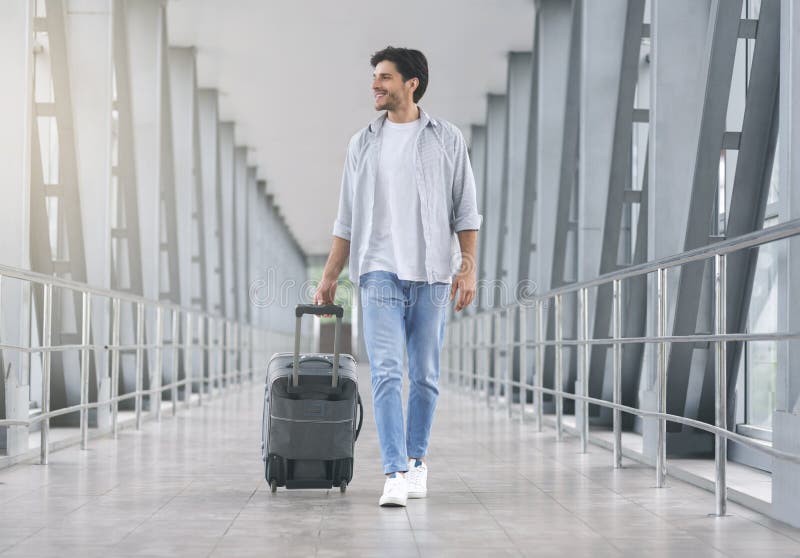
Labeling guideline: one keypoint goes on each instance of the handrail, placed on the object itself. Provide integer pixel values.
(780, 231)
(496, 341)
(45, 279)
(229, 348)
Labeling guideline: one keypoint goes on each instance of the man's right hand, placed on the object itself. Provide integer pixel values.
(326, 291)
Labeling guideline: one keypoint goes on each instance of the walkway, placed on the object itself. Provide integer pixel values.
(193, 486)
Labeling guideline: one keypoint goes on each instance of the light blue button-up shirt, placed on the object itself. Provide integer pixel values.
(446, 188)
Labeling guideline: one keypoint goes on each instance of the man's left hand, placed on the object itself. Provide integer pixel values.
(463, 286)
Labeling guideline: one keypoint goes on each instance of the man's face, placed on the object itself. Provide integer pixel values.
(388, 88)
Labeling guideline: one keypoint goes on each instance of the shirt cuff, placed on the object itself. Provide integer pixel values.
(468, 223)
(341, 230)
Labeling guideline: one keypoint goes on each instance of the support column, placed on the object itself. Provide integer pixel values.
(601, 46)
(240, 230)
(518, 93)
(89, 27)
(786, 420)
(554, 24)
(493, 190)
(227, 173)
(16, 44)
(144, 27)
(678, 30)
(208, 108)
(477, 157)
(182, 77)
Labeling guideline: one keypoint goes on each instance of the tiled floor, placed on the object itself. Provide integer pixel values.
(193, 486)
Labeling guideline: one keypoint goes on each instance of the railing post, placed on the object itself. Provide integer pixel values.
(661, 377)
(487, 342)
(139, 362)
(539, 378)
(159, 361)
(473, 351)
(583, 349)
(559, 379)
(213, 357)
(86, 312)
(188, 375)
(222, 372)
(721, 398)
(115, 319)
(459, 354)
(175, 347)
(251, 361)
(523, 361)
(47, 341)
(616, 326)
(226, 344)
(509, 358)
(237, 337)
(204, 360)
(497, 343)
(457, 336)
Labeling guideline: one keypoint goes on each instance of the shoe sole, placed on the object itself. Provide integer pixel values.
(392, 503)
(416, 495)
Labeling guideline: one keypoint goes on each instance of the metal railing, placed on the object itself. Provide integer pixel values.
(472, 338)
(232, 351)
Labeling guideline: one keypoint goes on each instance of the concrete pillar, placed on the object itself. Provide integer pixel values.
(786, 420)
(145, 28)
(240, 230)
(16, 44)
(493, 190)
(518, 92)
(226, 166)
(89, 49)
(144, 35)
(553, 55)
(182, 88)
(477, 156)
(601, 47)
(208, 109)
(679, 33)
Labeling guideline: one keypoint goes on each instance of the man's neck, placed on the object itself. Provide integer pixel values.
(402, 115)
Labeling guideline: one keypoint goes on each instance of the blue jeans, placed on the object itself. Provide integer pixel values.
(395, 314)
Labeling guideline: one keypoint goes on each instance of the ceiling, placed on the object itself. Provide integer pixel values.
(295, 78)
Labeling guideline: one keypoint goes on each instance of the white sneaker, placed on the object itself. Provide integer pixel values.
(417, 478)
(395, 491)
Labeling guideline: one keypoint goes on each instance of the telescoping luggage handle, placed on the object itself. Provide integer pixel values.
(318, 310)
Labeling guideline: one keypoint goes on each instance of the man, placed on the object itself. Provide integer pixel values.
(408, 220)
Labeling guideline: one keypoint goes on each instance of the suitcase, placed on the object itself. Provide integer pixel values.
(312, 414)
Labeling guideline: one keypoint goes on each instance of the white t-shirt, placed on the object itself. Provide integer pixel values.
(397, 242)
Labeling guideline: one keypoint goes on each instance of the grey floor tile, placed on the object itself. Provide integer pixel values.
(193, 485)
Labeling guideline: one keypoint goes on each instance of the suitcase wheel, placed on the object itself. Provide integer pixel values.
(273, 486)
(343, 487)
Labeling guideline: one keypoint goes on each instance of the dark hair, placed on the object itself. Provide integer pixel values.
(410, 63)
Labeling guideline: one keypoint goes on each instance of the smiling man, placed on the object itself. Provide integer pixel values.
(408, 221)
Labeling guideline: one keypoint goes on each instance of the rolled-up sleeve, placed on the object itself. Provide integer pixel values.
(343, 225)
(465, 205)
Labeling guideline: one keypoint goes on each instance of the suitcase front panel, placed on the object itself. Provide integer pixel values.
(311, 428)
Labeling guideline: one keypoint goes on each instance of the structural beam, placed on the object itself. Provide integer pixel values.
(208, 108)
(786, 420)
(16, 97)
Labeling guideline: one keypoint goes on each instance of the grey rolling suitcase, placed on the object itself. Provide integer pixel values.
(312, 414)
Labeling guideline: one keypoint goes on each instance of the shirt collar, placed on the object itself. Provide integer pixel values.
(376, 125)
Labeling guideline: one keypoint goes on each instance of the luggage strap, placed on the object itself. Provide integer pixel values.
(360, 417)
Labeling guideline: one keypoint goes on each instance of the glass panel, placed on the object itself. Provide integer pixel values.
(762, 359)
